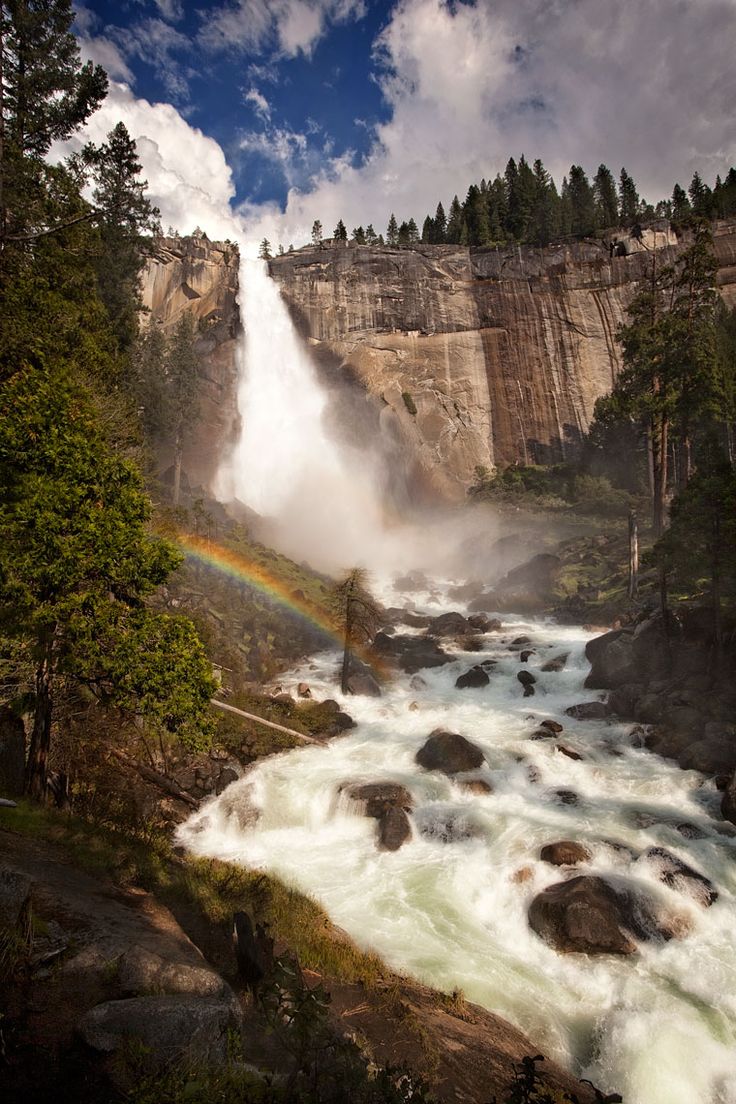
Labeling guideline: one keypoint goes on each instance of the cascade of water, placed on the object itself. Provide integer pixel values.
(659, 1027)
(323, 496)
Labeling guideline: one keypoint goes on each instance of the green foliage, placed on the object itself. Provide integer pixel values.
(529, 1086)
(409, 403)
(46, 94)
(77, 562)
(124, 215)
(264, 250)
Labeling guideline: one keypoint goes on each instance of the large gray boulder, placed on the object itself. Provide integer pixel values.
(141, 971)
(640, 654)
(167, 1028)
(450, 753)
(377, 797)
(409, 653)
(585, 915)
(394, 829)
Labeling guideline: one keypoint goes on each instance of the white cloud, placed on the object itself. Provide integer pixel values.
(188, 176)
(260, 103)
(105, 53)
(171, 10)
(289, 26)
(161, 46)
(649, 86)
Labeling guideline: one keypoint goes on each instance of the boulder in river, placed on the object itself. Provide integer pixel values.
(564, 853)
(557, 663)
(728, 801)
(480, 622)
(409, 653)
(449, 624)
(472, 679)
(585, 915)
(361, 679)
(378, 797)
(527, 680)
(525, 655)
(676, 874)
(588, 711)
(394, 829)
(450, 753)
(553, 726)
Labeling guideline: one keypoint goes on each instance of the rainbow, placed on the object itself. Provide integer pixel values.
(255, 575)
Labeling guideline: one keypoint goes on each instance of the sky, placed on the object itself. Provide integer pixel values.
(253, 118)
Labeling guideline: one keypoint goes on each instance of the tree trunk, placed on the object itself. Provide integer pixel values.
(177, 469)
(659, 506)
(348, 640)
(715, 574)
(35, 784)
(633, 555)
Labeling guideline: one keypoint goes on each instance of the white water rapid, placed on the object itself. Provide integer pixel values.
(658, 1026)
(322, 496)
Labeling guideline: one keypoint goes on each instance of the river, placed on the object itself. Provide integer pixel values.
(658, 1026)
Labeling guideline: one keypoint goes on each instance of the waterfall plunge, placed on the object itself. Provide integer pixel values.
(322, 498)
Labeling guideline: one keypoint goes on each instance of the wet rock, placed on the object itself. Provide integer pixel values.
(362, 681)
(489, 664)
(476, 786)
(629, 655)
(303, 690)
(728, 801)
(449, 827)
(473, 644)
(394, 829)
(568, 752)
(450, 753)
(553, 726)
(564, 853)
(167, 1028)
(588, 711)
(584, 915)
(676, 874)
(557, 663)
(567, 797)
(449, 624)
(465, 591)
(690, 831)
(530, 586)
(413, 707)
(416, 682)
(520, 640)
(480, 622)
(378, 797)
(524, 656)
(527, 680)
(541, 734)
(475, 677)
(225, 777)
(410, 653)
(522, 875)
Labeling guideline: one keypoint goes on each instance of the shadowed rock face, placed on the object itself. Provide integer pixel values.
(480, 356)
(200, 277)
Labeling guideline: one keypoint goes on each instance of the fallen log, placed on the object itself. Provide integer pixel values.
(263, 721)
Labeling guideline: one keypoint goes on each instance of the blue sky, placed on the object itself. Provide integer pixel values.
(257, 116)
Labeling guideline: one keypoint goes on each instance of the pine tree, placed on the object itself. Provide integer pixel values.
(358, 235)
(545, 221)
(264, 251)
(475, 214)
(428, 231)
(357, 614)
(370, 235)
(124, 215)
(680, 204)
(701, 197)
(316, 232)
(440, 225)
(629, 202)
(46, 94)
(392, 231)
(403, 234)
(413, 232)
(340, 234)
(606, 200)
(455, 222)
(582, 203)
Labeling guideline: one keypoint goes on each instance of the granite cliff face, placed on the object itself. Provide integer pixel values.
(201, 277)
(479, 356)
(456, 357)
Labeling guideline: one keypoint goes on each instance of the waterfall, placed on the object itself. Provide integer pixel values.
(322, 498)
